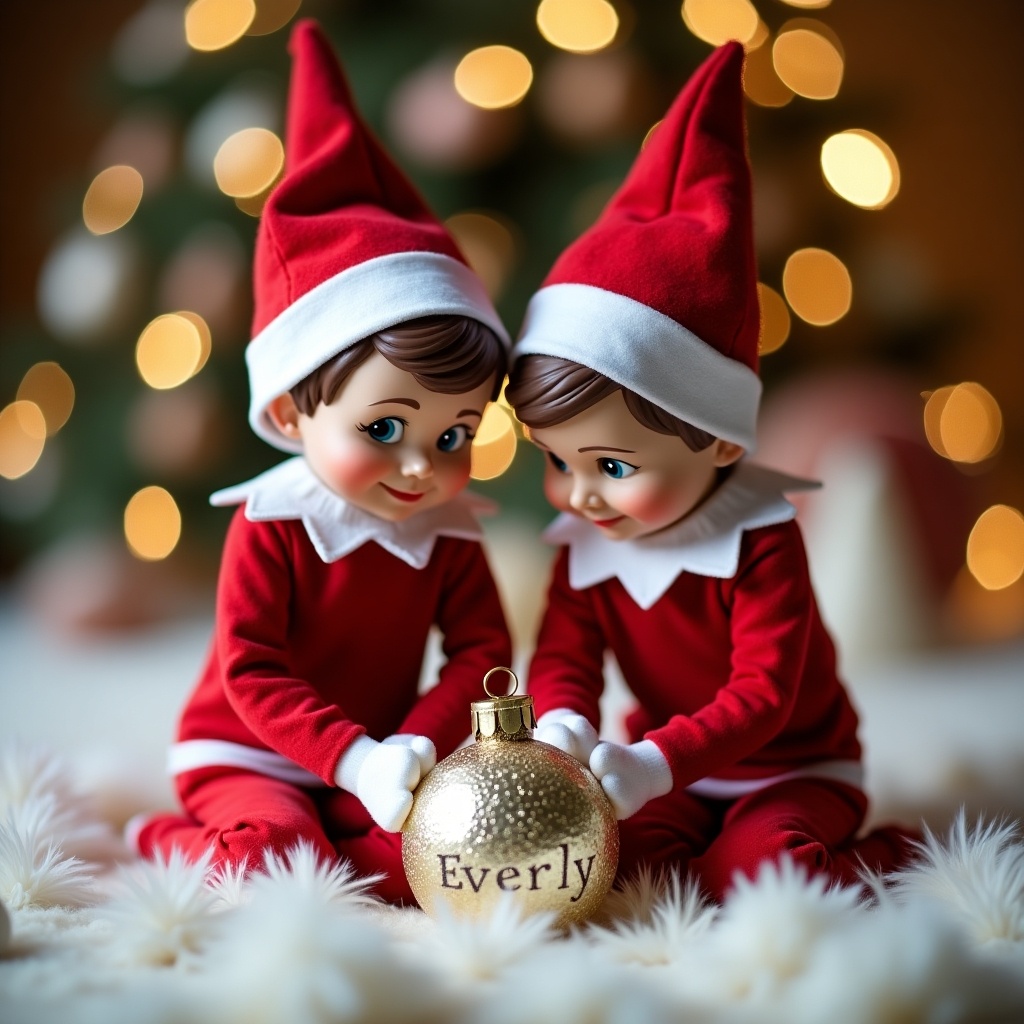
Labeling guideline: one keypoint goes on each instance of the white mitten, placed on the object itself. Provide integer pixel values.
(383, 776)
(421, 746)
(568, 731)
(631, 774)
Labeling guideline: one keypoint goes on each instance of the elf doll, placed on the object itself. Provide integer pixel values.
(636, 375)
(375, 351)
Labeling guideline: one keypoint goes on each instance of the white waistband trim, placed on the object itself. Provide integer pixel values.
(850, 772)
(188, 755)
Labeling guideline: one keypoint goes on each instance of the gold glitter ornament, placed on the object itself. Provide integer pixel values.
(510, 816)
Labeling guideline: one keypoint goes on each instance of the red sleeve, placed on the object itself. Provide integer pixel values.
(770, 619)
(567, 670)
(476, 640)
(253, 600)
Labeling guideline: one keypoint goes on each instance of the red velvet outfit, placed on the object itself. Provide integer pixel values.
(736, 679)
(307, 655)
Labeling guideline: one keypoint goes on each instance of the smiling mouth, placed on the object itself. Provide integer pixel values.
(404, 495)
(607, 522)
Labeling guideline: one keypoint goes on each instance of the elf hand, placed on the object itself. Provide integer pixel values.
(421, 746)
(631, 774)
(568, 731)
(382, 776)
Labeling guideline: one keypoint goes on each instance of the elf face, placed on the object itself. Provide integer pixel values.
(386, 444)
(626, 479)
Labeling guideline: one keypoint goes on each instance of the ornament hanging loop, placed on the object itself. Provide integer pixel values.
(510, 674)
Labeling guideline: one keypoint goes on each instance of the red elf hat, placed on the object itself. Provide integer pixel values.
(660, 295)
(346, 246)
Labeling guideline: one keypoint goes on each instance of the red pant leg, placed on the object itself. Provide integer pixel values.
(666, 834)
(812, 820)
(371, 850)
(239, 815)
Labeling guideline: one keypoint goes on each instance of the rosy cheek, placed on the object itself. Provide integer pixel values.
(557, 489)
(356, 467)
(646, 501)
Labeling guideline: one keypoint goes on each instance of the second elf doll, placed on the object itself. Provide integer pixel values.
(636, 374)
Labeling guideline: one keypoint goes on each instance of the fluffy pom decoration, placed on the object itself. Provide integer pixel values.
(34, 871)
(162, 914)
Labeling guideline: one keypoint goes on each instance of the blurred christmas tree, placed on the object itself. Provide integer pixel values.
(517, 121)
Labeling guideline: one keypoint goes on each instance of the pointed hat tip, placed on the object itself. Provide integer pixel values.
(305, 32)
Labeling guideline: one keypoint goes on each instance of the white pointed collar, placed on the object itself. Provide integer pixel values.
(706, 542)
(291, 490)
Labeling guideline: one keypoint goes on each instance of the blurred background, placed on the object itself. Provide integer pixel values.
(142, 137)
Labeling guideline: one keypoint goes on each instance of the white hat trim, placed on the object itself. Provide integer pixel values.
(369, 297)
(647, 352)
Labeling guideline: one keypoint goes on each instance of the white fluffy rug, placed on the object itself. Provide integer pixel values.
(86, 938)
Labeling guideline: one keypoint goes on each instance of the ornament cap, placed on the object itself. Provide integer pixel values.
(506, 717)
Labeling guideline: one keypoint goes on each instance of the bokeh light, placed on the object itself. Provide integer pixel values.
(150, 47)
(761, 82)
(861, 168)
(248, 162)
(775, 320)
(215, 24)
(168, 351)
(48, 387)
(493, 77)
(718, 21)
(963, 422)
(594, 99)
(22, 438)
(112, 199)
(817, 286)
(87, 286)
(579, 26)
(809, 59)
(144, 138)
(488, 242)
(808, 5)
(272, 15)
(152, 524)
(995, 547)
(494, 446)
(205, 337)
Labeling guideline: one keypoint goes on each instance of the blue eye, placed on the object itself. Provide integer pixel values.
(388, 430)
(453, 439)
(557, 463)
(616, 468)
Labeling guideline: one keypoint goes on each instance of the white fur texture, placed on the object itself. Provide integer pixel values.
(299, 941)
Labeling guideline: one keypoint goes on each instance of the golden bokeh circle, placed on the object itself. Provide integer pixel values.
(49, 387)
(808, 61)
(935, 402)
(112, 199)
(489, 245)
(817, 286)
(775, 320)
(718, 21)
(248, 162)
(22, 438)
(215, 24)
(168, 351)
(152, 524)
(761, 82)
(579, 26)
(494, 447)
(995, 547)
(861, 168)
(970, 423)
(272, 15)
(493, 77)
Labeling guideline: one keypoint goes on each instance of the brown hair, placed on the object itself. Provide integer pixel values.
(545, 390)
(445, 354)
